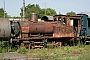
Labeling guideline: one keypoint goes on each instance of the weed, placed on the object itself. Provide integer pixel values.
(22, 50)
(6, 46)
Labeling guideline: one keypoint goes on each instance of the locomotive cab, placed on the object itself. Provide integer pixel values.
(70, 26)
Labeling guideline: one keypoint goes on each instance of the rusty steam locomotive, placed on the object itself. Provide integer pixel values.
(32, 33)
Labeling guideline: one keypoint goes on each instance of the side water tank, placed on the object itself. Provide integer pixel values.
(5, 29)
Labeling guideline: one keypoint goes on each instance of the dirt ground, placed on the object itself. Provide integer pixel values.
(15, 56)
(12, 56)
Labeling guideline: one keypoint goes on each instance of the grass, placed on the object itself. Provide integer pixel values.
(60, 53)
(22, 50)
(79, 52)
(5, 46)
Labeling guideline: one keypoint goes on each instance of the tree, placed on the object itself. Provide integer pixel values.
(49, 12)
(30, 8)
(36, 8)
(70, 13)
(2, 13)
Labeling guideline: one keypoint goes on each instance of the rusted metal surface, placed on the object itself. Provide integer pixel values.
(75, 17)
(63, 31)
(5, 28)
(42, 27)
(36, 27)
(67, 20)
(24, 35)
(65, 16)
(70, 28)
(49, 26)
(33, 17)
(24, 26)
(25, 29)
(63, 35)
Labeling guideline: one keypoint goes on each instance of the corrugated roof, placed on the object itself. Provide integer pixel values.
(87, 13)
(50, 17)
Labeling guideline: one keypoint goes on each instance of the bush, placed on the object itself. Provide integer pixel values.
(3, 46)
(6, 46)
(22, 50)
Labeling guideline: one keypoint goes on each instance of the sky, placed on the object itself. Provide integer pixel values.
(12, 7)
